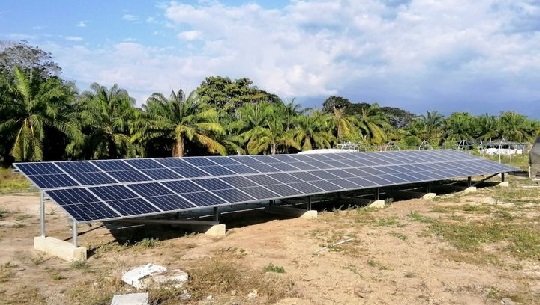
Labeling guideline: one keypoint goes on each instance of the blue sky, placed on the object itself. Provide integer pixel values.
(478, 56)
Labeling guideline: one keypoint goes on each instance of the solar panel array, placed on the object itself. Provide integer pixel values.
(110, 189)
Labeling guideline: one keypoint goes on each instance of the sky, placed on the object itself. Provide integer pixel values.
(479, 56)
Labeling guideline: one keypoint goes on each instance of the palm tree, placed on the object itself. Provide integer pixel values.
(374, 124)
(107, 115)
(185, 119)
(459, 126)
(313, 130)
(34, 104)
(345, 129)
(428, 127)
(514, 126)
(486, 127)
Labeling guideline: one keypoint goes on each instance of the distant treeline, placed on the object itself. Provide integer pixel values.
(44, 117)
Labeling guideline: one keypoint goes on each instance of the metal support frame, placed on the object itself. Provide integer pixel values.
(75, 233)
(502, 177)
(469, 181)
(377, 193)
(42, 214)
(216, 214)
(308, 205)
(486, 178)
(428, 187)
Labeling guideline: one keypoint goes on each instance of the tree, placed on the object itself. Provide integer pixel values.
(33, 104)
(184, 120)
(26, 58)
(313, 130)
(459, 126)
(106, 116)
(515, 127)
(334, 102)
(428, 127)
(344, 125)
(373, 123)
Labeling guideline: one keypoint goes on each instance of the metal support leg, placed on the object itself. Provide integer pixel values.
(469, 181)
(216, 214)
(377, 193)
(502, 177)
(75, 233)
(428, 187)
(308, 203)
(41, 214)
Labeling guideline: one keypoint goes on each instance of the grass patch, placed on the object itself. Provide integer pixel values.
(11, 182)
(80, 265)
(387, 221)
(273, 268)
(376, 264)
(399, 235)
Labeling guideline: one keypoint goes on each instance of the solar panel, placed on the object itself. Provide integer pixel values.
(110, 189)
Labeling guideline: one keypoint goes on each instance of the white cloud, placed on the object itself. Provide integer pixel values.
(409, 51)
(81, 24)
(129, 17)
(74, 38)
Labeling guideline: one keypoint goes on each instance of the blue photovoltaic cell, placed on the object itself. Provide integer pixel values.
(170, 202)
(325, 185)
(305, 176)
(212, 184)
(303, 166)
(320, 165)
(260, 193)
(362, 182)
(284, 178)
(129, 176)
(340, 173)
(72, 196)
(144, 163)
(262, 179)
(112, 165)
(248, 160)
(306, 188)
(53, 181)
(38, 168)
(172, 162)
(92, 178)
(134, 206)
(284, 167)
(324, 175)
(233, 195)
(216, 170)
(161, 174)
(263, 168)
(238, 181)
(198, 161)
(189, 172)
(150, 189)
(92, 211)
(77, 167)
(284, 190)
(281, 158)
(344, 184)
(240, 169)
(113, 192)
(224, 160)
(183, 186)
(203, 199)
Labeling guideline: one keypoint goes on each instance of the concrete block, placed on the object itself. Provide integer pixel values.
(311, 214)
(504, 184)
(470, 189)
(429, 196)
(59, 248)
(216, 230)
(130, 299)
(379, 204)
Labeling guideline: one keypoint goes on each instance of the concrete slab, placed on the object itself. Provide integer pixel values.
(379, 204)
(216, 230)
(59, 248)
(470, 189)
(429, 196)
(130, 299)
(504, 184)
(311, 214)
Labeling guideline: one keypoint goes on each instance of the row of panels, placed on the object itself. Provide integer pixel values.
(51, 175)
(140, 199)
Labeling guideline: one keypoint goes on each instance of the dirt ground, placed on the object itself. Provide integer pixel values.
(386, 256)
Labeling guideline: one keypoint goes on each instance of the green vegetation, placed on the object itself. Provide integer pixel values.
(273, 268)
(43, 117)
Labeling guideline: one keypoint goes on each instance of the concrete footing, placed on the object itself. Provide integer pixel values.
(429, 196)
(378, 204)
(216, 230)
(470, 189)
(59, 248)
(291, 212)
(504, 184)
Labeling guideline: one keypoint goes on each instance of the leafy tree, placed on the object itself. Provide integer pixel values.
(334, 102)
(106, 116)
(515, 127)
(344, 125)
(313, 130)
(459, 126)
(373, 123)
(184, 120)
(428, 127)
(486, 127)
(28, 59)
(33, 103)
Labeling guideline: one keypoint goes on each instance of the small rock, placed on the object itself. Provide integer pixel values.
(185, 296)
(378, 204)
(252, 294)
(489, 200)
(131, 299)
(209, 297)
(507, 301)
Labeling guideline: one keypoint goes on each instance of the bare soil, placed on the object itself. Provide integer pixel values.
(385, 257)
